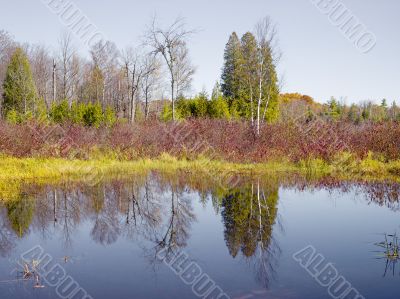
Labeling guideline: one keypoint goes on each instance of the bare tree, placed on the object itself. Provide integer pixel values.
(184, 70)
(67, 53)
(133, 65)
(76, 75)
(170, 43)
(151, 79)
(105, 56)
(41, 63)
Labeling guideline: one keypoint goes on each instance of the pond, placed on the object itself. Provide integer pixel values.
(177, 237)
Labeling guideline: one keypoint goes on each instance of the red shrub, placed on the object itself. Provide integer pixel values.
(230, 140)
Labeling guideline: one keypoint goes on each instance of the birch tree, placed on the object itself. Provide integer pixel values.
(248, 70)
(268, 56)
(171, 44)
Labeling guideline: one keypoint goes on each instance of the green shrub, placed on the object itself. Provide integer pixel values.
(166, 114)
(60, 112)
(77, 112)
(41, 112)
(183, 107)
(199, 106)
(93, 115)
(13, 117)
(218, 108)
(109, 117)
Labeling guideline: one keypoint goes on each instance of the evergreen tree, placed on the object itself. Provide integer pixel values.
(393, 111)
(269, 79)
(231, 70)
(216, 92)
(19, 88)
(96, 85)
(248, 71)
(271, 112)
(249, 79)
(334, 109)
(199, 105)
(366, 112)
(352, 115)
(218, 108)
(384, 104)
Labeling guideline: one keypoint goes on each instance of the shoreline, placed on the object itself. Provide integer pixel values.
(58, 169)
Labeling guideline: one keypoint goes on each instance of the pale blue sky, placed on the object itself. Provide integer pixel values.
(318, 60)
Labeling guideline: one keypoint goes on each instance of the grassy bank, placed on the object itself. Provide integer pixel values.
(17, 172)
(344, 166)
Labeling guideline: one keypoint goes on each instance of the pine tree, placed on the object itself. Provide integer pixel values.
(248, 71)
(334, 109)
(270, 87)
(19, 88)
(393, 111)
(216, 92)
(96, 85)
(271, 112)
(231, 70)
(352, 114)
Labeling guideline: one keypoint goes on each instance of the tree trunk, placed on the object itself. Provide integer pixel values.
(266, 105)
(128, 96)
(251, 107)
(259, 106)
(173, 99)
(260, 94)
(133, 105)
(146, 107)
(54, 81)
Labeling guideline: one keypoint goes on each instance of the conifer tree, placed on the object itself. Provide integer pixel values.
(216, 92)
(248, 70)
(231, 71)
(19, 88)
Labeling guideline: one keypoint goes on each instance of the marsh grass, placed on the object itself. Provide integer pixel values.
(389, 251)
(40, 168)
(343, 166)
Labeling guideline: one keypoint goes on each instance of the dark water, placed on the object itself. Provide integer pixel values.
(111, 238)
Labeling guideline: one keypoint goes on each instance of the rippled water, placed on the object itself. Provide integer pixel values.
(111, 238)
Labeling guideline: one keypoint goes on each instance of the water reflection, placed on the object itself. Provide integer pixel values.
(389, 251)
(249, 214)
(157, 213)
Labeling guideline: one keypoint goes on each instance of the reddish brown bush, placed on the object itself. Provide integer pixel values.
(233, 141)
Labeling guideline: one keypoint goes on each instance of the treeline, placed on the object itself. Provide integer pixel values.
(303, 108)
(154, 80)
(124, 80)
(138, 83)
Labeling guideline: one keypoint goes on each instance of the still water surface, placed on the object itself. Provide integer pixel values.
(109, 238)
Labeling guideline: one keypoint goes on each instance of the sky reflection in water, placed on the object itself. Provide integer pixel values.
(107, 236)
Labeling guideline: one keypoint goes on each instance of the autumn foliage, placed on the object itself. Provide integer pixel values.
(217, 139)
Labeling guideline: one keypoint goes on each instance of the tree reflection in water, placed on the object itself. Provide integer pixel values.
(20, 213)
(249, 214)
(7, 238)
(157, 213)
